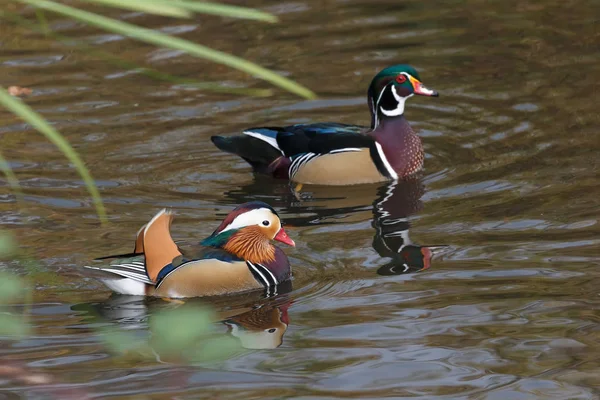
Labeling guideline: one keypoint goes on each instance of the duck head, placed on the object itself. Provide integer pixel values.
(248, 230)
(261, 328)
(389, 90)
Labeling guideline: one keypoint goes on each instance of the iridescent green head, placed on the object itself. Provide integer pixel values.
(389, 90)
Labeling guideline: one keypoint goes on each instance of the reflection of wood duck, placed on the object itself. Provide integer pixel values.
(395, 203)
(389, 205)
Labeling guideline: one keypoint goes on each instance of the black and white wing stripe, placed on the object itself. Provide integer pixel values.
(263, 275)
(133, 270)
(305, 158)
(299, 162)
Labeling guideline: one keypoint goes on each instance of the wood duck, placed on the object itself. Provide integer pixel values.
(340, 154)
(237, 257)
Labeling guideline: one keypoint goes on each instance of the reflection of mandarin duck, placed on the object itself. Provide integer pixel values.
(237, 257)
(339, 154)
(262, 327)
(396, 202)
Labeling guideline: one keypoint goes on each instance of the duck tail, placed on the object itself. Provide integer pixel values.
(257, 149)
(158, 245)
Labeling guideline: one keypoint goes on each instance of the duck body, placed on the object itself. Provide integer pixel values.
(340, 154)
(237, 257)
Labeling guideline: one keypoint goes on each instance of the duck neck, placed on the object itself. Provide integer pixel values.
(392, 129)
(400, 144)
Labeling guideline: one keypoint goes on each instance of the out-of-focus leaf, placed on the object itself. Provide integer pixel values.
(161, 39)
(8, 245)
(179, 329)
(214, 349)
(119, 341)
(13, 326)
(38, 122)
(11, 287)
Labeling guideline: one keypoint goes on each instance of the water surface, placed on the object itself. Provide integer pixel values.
(506, 310)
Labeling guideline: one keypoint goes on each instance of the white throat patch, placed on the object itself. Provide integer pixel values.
(399, 110)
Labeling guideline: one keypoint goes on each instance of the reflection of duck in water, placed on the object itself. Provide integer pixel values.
(389, 205)
(257, 323)
(395, 203)
(262, 327)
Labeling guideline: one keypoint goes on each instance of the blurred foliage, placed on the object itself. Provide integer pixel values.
(173, 8)
(169, 8)
(179, 334)
(12, 289)
(38, 122)
(183, 334)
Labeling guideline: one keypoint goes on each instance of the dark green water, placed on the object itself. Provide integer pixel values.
(508, 310)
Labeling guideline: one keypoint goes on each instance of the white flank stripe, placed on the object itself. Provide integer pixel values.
(386, 163)
(266, 282)
(345, 150)
(264, 138)
(270, 273)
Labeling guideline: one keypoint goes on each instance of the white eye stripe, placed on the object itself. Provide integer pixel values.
(253, 217)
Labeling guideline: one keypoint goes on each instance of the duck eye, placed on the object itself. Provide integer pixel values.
(401, 78)
(266, 223)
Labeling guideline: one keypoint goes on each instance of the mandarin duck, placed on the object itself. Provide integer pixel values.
(238, 256)
(340, 154)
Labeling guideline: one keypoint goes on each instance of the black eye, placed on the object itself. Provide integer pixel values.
(266, 223)
(272, 330)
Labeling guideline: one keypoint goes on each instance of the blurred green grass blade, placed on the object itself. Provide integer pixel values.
(13, 182)
(41, 17)
(160, 39)
(225, 10)
(38, 122)
(143, 70)
(167, 9)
